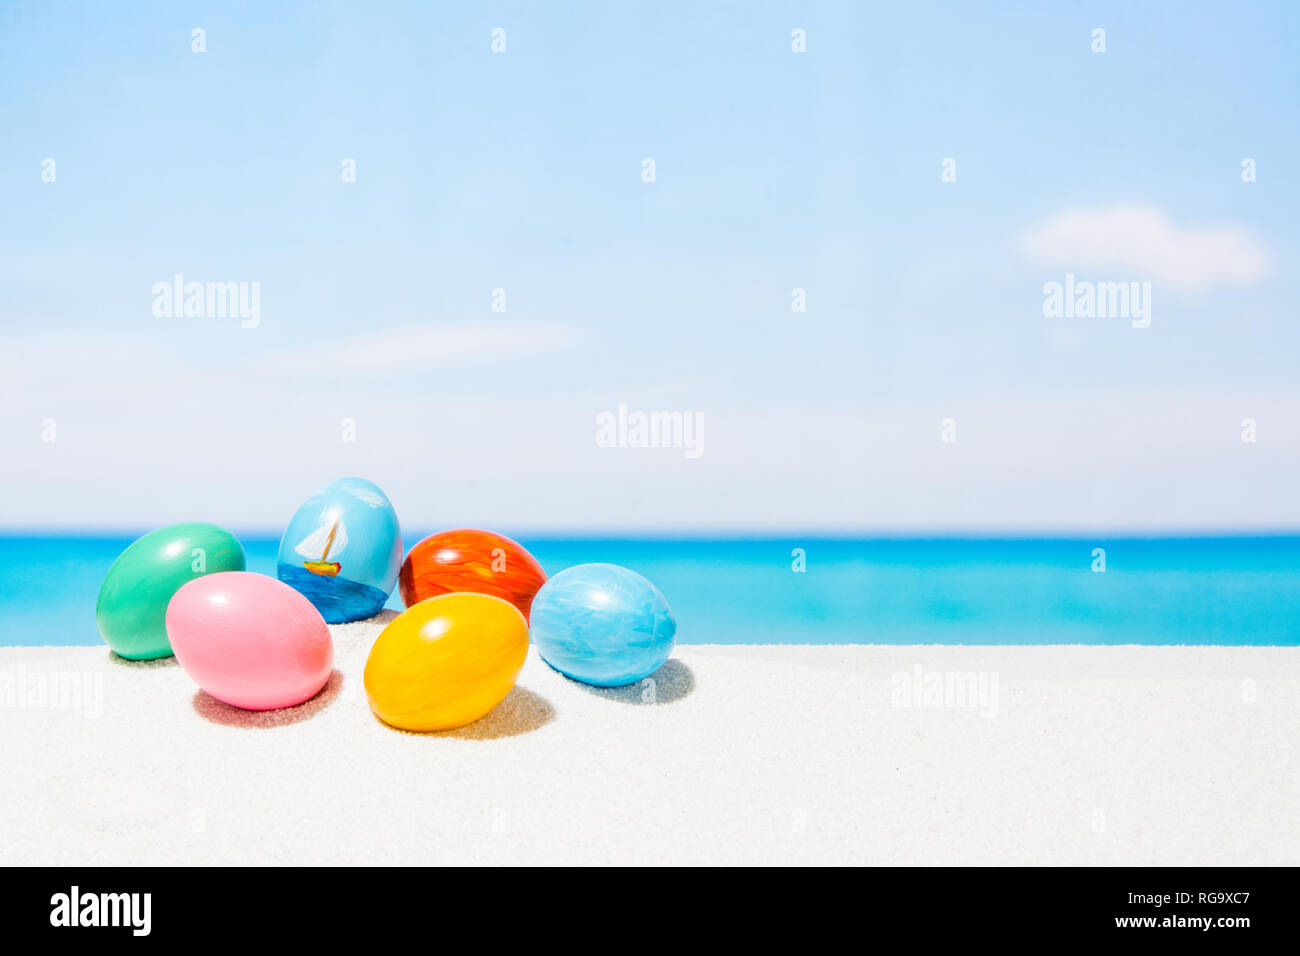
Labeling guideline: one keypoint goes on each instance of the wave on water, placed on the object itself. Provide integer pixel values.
(338, 599)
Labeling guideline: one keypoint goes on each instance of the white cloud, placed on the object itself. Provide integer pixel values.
(436, 345)
(1132, 241)
(150, 433)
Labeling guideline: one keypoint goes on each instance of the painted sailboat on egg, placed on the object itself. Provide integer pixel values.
(320, 544)
(342, 550)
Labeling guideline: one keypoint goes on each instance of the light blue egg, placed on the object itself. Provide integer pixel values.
(342, 550)
(602, 624)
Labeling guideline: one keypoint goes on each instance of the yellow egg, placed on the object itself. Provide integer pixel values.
(446, 661)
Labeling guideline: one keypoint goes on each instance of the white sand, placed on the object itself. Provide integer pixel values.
(1122, 755)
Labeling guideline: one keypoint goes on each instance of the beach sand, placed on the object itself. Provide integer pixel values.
(749, 754)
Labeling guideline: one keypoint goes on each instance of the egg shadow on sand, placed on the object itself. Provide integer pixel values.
(118, 660)
(667, 685)
(521, 712)
(219, 712)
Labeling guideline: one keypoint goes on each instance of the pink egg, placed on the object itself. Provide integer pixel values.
(250, 640)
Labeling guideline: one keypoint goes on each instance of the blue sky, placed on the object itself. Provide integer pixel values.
(774, 171)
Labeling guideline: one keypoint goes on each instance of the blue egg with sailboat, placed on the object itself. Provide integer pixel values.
(342, 550)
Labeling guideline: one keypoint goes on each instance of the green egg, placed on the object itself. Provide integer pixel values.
(132, 606)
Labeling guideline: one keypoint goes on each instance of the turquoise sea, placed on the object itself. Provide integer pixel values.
(1226, 590)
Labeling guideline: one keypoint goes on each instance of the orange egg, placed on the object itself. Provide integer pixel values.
(446, 661)
(470, 560)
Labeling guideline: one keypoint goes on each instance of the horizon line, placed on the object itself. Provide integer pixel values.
(722, 534)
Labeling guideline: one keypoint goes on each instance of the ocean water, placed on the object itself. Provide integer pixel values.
(1236, 590)
(339, 599)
